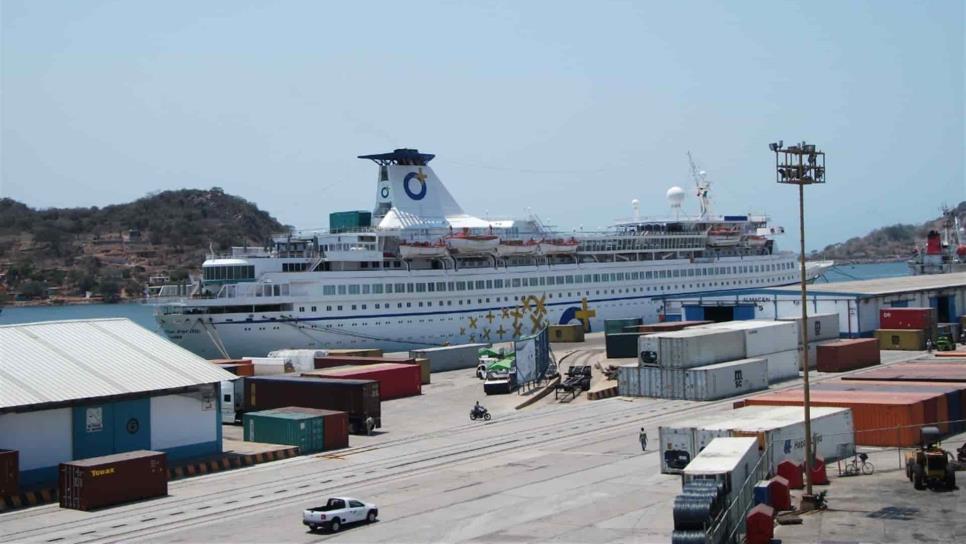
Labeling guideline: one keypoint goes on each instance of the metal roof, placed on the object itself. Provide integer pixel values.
(62, 361)
(858, 288)
(884, 286)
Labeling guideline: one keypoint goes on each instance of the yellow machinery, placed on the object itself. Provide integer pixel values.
(928, 465)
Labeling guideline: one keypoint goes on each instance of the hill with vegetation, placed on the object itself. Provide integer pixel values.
(112, 252)
(895, 242)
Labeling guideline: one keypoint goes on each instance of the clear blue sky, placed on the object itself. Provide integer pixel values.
(572, 108)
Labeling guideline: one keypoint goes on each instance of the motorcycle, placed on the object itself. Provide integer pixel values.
(481, 413)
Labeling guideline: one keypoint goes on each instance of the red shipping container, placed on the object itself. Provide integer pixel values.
(760, 525)
(87, 484)
(779, 494)
(9, 472)
(907, 318)
(844, 355)
(792, 472)
(395, 380)
(946, 371)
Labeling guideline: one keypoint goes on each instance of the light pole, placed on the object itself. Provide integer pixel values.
(802, 164)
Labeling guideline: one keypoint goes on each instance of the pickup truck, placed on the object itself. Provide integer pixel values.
(337, 512)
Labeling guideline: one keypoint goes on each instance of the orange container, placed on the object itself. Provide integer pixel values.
(881, 418)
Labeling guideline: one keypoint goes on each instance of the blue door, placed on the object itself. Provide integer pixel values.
(93, 430)
(132, 425)
(693, 313)
(744, 311)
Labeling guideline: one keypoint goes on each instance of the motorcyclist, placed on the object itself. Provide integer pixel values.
(478, 409)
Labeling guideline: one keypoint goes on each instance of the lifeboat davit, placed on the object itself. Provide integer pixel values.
(509, 248)
(413, 250)
(472, 244)
(558, 247)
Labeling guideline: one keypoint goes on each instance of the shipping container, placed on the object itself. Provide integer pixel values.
(395, 380)
(621, 345)
(9, 473)
(331, 361)
(907, 318)
(335, 426)
(820, 326)
(358, 398)
(724, 380)
(302, 360)
(349, 220)
(238, 369)
(881, 418)
(779, 429)
(948, 408)
(617, 325)
(762, 337)
(358, 352)
(702, 383)
(691, 347)
(901, 339)
(845, 355)
(271, 366)
(86, 484)
(783, 366)
(730, 460)
(445, 358)
(566, 333)
(945, 371)
(666, 326)
(279, 426)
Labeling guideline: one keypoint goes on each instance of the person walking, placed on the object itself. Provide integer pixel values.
(643, 438)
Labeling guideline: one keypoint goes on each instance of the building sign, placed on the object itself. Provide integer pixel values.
(95, 419)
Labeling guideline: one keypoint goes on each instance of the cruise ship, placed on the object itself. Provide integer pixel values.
(419, 271)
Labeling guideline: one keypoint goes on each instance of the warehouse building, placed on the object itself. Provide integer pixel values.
(857, 302)
(80, 389)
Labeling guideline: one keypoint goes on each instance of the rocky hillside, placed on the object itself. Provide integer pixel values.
(113, 251)
(885, 244)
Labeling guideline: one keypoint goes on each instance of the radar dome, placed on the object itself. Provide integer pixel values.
(675, 195)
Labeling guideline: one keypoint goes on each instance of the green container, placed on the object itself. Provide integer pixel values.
(617, 325)
(622, 345)
(279, 427)
(342, 221)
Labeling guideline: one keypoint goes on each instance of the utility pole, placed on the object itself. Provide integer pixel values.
(802, 164)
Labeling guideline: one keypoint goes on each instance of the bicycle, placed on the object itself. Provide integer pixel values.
(860, 464)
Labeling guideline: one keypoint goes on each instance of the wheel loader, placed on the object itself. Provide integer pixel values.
(928, 466)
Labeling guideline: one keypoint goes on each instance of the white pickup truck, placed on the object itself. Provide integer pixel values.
(337, 512)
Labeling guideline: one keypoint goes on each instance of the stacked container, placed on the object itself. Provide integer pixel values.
(622, 345)
(395, 380)
(271, 366)
(691, 348)
(358, 398)
(86, 484)
(357, 352)
(709, 382)
(301, 360)
(906, 328)
(845, 355)
(821, 327)
(331, 361)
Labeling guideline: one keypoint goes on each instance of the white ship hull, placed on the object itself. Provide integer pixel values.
(404, 321)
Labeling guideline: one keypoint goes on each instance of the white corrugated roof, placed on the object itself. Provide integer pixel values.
(58, 361)
(884, 286)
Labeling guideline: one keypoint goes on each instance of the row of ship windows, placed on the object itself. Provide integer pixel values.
(488, 300)
(541, 281)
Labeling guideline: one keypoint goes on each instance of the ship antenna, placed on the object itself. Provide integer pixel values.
(703, 187)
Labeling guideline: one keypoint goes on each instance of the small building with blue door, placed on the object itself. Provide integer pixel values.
(79, 389)
(857, 302)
